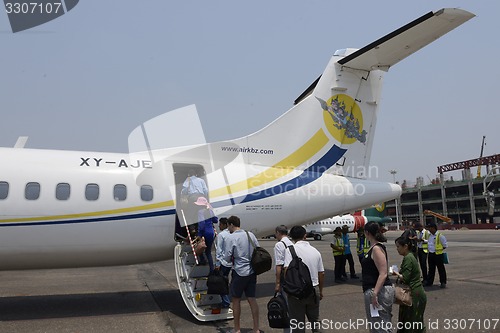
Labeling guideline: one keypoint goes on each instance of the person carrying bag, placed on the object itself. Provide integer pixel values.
(413, 301)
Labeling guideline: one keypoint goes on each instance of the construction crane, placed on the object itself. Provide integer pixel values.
(480, 157)
(439, 216)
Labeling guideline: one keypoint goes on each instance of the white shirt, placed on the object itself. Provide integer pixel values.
(221, 245)
(279, 250)
(193, 185)
(420, 236)
(432, 242)
(240, 251)
(310, 256)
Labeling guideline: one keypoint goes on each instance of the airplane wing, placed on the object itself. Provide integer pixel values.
(394, 47)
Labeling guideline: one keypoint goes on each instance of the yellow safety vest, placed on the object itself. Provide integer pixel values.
(366, 246)
(425, 245)
(438, 246)
(340, 243)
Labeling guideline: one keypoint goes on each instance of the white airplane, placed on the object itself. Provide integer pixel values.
(355, 221)
(64, 209)
(325, 227)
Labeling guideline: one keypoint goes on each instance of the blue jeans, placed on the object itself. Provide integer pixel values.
(226, 300)
(208, 252)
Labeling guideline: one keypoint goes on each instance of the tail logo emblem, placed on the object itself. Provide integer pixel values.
(343, 118)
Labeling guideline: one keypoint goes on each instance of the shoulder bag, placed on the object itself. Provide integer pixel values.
(402, 294)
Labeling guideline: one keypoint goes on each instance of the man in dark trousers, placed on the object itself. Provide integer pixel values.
(309, 306)
(337, 246)
(348, 254)
(436, 245)
(243, 278)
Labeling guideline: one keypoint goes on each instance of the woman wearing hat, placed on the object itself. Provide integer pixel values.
(206, 219)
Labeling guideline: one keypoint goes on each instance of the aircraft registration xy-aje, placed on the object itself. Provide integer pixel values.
(74, 209)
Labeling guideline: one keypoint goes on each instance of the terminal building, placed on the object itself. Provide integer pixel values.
(455, 201)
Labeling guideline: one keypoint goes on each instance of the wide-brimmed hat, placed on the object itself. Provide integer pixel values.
(201, 201)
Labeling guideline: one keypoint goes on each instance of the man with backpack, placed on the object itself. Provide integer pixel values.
(282, 243)
(304, 275)
(281, 233)
(243, 279)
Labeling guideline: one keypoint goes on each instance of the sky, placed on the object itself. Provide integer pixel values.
(84, 81)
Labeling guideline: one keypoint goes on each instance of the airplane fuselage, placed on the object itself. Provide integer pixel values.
(74, 209)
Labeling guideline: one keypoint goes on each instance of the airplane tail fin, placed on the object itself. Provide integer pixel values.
(332, 124)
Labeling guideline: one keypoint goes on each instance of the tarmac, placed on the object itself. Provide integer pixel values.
(144, 298)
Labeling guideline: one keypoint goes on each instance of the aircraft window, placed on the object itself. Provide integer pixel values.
(62, 191)
(32, 191)
(120, 192)
(92, 192)
(146, 192)
(4, 190)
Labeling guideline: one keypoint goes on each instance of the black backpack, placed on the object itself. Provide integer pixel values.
(297, 281)
(261, 259)
(277, 312)
(217, 283)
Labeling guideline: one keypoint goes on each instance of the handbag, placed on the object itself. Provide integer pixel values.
(200, 246)
(445, 258)
(402, 294)
(261, 259)
(217, 283)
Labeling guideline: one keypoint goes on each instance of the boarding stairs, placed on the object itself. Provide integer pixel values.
(192, 282)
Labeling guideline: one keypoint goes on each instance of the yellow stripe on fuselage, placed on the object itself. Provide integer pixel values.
(158, 205)
(280, 169)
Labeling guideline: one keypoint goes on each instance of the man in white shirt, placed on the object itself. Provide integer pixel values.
(282, 243)
(309, 306)
(436, 245)
(220, 263)
(243, 278)
(281, 234)
(422, 244)
(194, 186)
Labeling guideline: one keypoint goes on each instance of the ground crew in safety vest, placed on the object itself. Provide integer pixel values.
(436, 245)
(338, 254)
(422, 246)
(362, 244)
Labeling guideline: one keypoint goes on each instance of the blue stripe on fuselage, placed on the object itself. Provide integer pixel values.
(307, 176)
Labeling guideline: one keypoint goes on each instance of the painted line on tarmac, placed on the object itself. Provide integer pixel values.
(473, 244)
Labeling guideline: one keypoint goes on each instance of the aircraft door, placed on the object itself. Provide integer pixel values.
(190, 185)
